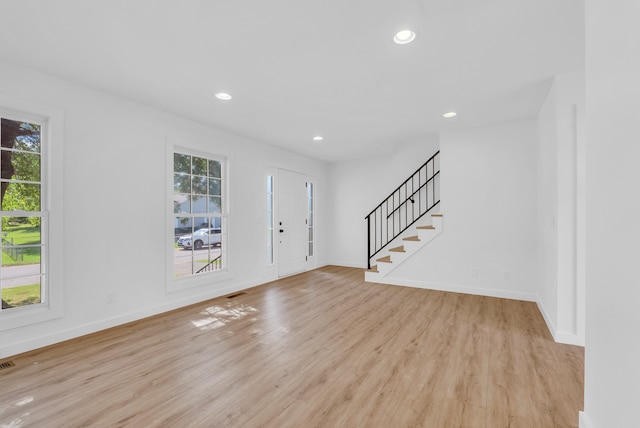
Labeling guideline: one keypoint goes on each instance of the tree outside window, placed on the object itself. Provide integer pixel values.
(199, 232)
(21, 272)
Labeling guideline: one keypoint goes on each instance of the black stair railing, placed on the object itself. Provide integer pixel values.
(418, 195)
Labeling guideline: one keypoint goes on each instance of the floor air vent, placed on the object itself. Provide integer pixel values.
(236, 295)
(7, 364)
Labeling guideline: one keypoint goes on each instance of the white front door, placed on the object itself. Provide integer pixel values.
(291, 228)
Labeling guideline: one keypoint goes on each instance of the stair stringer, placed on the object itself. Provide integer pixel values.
(410, 248)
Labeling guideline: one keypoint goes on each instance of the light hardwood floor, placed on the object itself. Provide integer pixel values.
(320, 349)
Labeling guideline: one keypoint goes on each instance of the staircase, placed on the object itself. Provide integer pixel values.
(399, 219)
(416, 238)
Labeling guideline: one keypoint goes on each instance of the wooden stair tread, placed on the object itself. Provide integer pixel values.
(411, 238)
(435, 226)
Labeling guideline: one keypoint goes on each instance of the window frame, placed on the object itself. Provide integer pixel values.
(205, 278)
(51, 121)
(271, 213)
(311, 219)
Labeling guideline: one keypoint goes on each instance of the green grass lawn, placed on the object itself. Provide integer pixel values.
(209, 261)
(23, 234)
(21, 296)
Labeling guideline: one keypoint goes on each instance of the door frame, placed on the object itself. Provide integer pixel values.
(274, 171)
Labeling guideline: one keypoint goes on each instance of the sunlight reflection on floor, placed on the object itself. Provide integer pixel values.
(218, 316)
(24, 401)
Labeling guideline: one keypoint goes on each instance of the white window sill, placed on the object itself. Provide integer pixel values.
(200, 280)
(27, 315)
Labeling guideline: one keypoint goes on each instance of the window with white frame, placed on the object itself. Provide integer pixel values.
(199, 232)
(310, 215)
(31, 212)
(270, 235)
(23, 272)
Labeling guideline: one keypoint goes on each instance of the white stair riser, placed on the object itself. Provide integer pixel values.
(436, 222)
(427, 234)
(384, 268)
(370, 276)
(410, 247)
(397, 257)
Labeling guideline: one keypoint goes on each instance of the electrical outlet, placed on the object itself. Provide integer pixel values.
(111, 297)
(506, 275)
(474, 273)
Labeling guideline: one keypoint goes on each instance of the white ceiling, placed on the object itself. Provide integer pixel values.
(297, 68)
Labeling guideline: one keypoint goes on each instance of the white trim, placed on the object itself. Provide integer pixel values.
(199, 280)
(311, 227)
(581, 222)
(351, 264)
(584, 422)
(269, 258)
(568, 338)
(269, 170)
(559, 336)
(310, 262)
(173, 145)
(453, 288)
(547, 319)
(317, 235)
(52, 120)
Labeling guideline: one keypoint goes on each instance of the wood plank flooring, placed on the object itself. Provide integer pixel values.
(320, 349)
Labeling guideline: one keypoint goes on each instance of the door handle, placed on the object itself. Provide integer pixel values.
(281, 230)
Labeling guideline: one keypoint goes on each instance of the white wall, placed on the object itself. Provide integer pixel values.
(358, 186)
(115, 207)
(547, 209)
(612, 371)
(488, 192)
(559, 263)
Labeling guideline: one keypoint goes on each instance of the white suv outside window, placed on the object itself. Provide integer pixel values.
(200, 238)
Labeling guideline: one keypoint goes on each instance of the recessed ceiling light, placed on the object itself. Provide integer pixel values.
(318, 138)
(223, 96)
(450, 114)
(403, 37)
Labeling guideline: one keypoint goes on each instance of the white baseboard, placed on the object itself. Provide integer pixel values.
(559, 336)
(513, 295)
(568, 338)
(551, 326)
(359, 265)
(61, 336)
(584, 422)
